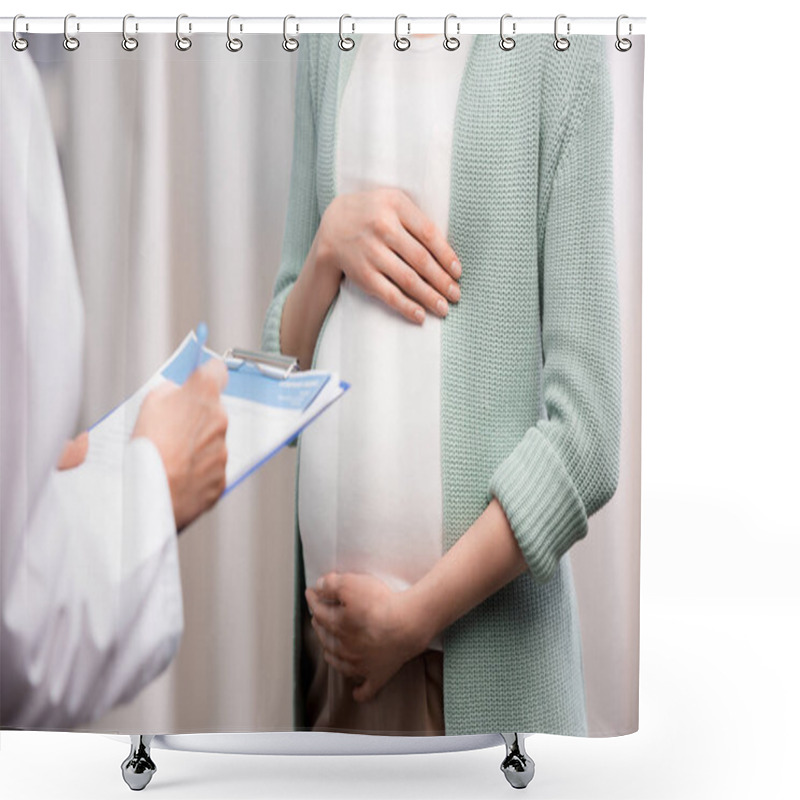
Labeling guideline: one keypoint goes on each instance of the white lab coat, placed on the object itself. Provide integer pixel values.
(91, 609)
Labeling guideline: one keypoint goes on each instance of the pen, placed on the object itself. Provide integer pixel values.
(202, 335)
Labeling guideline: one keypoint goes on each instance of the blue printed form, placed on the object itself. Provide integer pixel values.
(248, 382)
(265, 412)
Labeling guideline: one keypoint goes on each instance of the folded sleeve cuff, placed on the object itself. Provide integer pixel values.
(541, 503)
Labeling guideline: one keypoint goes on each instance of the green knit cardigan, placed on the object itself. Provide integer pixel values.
(530, 381)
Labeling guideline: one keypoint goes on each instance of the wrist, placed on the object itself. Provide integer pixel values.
(309, 300)
(324, 263)
(419, 612)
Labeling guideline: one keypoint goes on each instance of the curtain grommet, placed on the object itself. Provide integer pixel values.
(70, 43)
(451, 42)
(507, 42)
(17, 42)
(345, 42)
(623, 44)
(233, 44)
(561, 43)
(401, 42)
(290, 43)
(129, 43)
(183, 43)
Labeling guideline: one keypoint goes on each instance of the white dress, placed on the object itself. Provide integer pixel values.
(90, 593)
(370, 491)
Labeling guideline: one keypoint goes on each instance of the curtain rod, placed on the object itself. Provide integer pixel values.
(299, 25)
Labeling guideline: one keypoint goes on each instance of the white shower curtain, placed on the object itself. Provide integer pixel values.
(176, 169)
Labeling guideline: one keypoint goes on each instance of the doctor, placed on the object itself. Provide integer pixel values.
(90, 595)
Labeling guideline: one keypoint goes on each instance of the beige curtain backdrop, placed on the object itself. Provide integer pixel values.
(176, 169)
(606, 562)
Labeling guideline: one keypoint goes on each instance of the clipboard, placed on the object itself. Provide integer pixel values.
(268, 399)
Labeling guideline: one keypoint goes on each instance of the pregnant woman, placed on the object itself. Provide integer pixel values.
(449, 250)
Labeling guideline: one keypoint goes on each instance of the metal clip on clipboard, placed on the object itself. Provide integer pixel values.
(276, 365)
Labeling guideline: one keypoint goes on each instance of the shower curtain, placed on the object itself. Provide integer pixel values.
(453, 547)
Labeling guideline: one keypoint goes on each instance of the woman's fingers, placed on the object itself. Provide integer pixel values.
(427, 233)
(437, 285)
(329, 587)
(417, 256)
(406, 254)
(365, 691)
(411, 283)
(333, 644)
(379, 286)
(326, 638)
(337, 663)
(328, 614)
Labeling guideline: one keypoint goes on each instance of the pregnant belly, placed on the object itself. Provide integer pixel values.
(370, 496)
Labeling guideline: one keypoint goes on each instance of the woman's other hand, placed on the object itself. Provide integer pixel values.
(387, 246)
(365, 628)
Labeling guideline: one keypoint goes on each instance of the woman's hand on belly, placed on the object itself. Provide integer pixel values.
(365, 628)
(393, 251)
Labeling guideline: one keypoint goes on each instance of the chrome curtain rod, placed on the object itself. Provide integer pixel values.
(298, 25)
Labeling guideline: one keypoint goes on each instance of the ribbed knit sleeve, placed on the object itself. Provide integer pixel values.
(302, 216)
(566, 466)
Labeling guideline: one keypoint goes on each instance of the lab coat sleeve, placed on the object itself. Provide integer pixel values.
(95, 610)
(90, 595)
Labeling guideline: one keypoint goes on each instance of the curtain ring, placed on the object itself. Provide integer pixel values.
(129, 43)
(345, 42)
(290, 44)
(182, 42)
(18, 43)
(561, 43)
(451, 42)
(507, 42)
(401, 42)
(623, 45)
(70, 42)
(233, 44)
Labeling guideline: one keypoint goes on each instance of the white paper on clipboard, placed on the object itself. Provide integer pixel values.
(265, 412)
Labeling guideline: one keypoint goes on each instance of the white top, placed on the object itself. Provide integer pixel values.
(370, 484)
(90, 589)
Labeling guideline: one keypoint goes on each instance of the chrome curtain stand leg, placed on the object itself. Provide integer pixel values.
(138, 768)
(517, 766)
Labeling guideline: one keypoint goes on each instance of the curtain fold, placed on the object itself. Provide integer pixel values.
(176, 171)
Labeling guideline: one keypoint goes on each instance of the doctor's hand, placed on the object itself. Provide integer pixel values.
(188, 425)
(393, 251)
(74, 452)
(365, 628)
